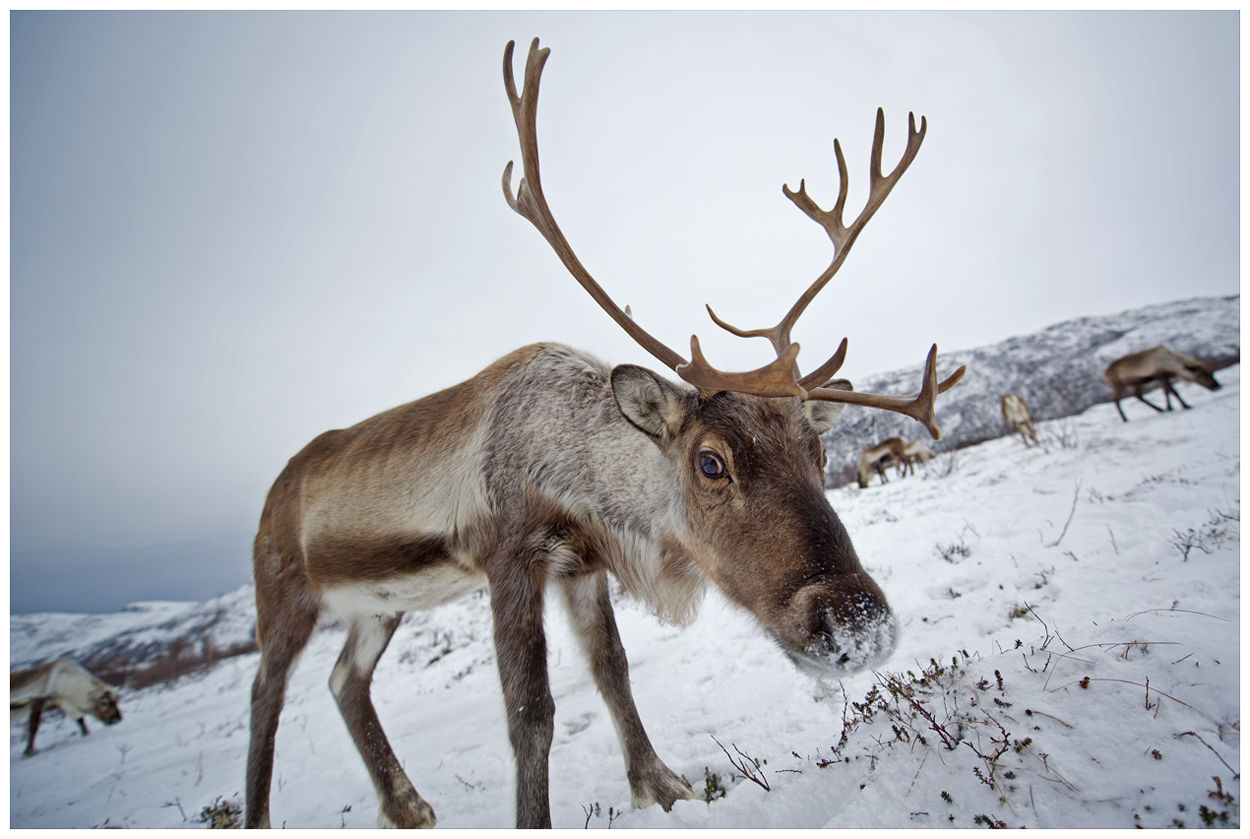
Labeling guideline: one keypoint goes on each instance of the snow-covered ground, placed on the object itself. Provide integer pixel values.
(1087, 591)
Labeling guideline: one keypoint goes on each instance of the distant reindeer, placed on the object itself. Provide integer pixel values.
(64, 684)
(892, 451)
(1156, 367)
(1016, 412)
(916, 451)
(547, 472)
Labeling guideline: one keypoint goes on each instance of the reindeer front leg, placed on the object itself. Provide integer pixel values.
(32, 726)
(590, 609)
(1170, 391)
(516, 601)
(1137, 391)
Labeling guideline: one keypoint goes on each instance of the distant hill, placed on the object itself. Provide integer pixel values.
(1058, 371)
(144, 643)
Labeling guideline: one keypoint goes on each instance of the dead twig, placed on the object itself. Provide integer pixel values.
(1075, 497)
(1236, 774)
(1051, 716)
(1088, 679)
(1186, 611)
(748, 766)
(1126, 644)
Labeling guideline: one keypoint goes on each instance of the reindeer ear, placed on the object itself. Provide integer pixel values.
(822, 415)
(654, 405)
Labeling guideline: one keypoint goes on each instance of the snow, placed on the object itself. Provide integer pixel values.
(1061, 571)
(1058, 372)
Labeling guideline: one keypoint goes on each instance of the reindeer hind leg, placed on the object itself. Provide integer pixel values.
(399, 803)
(281, 638)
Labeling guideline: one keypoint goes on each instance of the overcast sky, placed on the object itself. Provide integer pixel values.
(231, 232)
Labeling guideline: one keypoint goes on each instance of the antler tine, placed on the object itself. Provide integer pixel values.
(771, 334)
(842, 235)
(532, 204)
(918, 406)
(773, 379)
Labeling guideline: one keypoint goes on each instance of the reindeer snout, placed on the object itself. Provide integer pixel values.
(842, 632)
(862, 640)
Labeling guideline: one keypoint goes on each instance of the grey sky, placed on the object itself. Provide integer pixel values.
(230, 232)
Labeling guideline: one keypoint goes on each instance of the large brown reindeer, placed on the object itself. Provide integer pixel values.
(1016, 411)
(1156, 367)
(550, 470)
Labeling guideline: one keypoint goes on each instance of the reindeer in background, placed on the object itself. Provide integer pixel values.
(916, 451)
(1016, 412)
(889, 452)
(1156, 367)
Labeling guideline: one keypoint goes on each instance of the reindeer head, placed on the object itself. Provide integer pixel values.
(758, 522)
(104, 706)
(1200, 373)
(747, 445)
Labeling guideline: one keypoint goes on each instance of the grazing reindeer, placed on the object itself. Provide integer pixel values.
(878, 457)
(1016, 412)
(551, 470)
(64, 684)
(916, 451)
(1157, 366)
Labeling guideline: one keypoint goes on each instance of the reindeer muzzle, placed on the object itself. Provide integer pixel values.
(845, 634)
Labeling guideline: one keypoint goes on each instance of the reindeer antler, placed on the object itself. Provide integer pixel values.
(531, 203)
(781, 376)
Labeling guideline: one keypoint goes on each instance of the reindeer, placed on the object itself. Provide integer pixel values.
(1157, 366)
(550, 470)
(65, 684)
(878, 457)
(1016, 412)
(916, 451)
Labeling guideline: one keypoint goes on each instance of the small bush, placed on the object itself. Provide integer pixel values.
(712, 786)
(222, 814)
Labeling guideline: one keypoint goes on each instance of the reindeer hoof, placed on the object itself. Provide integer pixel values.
(408, 811)
(660, 786)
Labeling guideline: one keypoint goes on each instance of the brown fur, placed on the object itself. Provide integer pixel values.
(890, 450)
(1016, 411)
(1156, 367)
(914, 451)
(551, 468)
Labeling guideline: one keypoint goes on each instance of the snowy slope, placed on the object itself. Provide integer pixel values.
(1058, 371)
(134, 631)
(1112, 553)
(142, 643)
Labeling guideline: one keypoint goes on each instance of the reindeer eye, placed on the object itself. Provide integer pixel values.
(711, 465)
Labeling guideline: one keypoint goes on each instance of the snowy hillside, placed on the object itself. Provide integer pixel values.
(1070, 658)
(141, 636)
(1058, 371)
